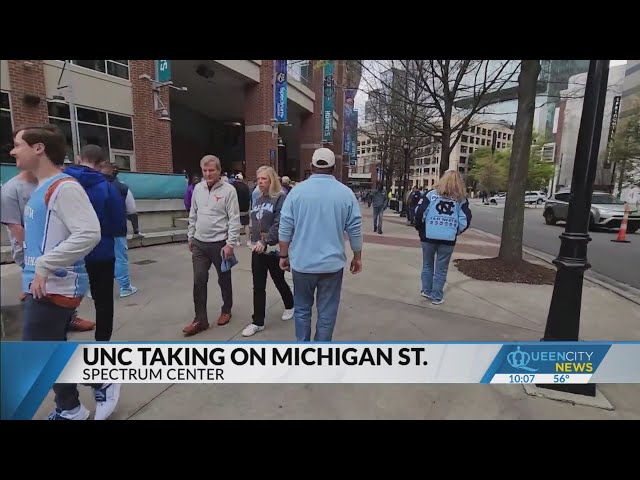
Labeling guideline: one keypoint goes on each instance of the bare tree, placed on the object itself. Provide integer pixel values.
(446, 95)
(395, 114)
(513, 222)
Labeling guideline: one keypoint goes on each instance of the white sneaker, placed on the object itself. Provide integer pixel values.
(251, 329)
(425, 295)
(79, 413)
(437, 302)
(124, 292)
(107, 398)
(287, 314)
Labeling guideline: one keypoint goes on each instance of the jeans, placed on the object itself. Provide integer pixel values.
(101, 284)
(47, 322)
(328, 286)
(433, 279)
(204, 254)
(122, 263)
(377, 218)
(411, 213)
(260, 265)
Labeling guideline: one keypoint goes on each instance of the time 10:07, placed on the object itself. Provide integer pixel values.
(521, 378)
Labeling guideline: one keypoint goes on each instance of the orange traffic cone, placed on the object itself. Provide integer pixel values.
(622, 233)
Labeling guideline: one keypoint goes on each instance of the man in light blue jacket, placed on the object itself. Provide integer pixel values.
(313, 220)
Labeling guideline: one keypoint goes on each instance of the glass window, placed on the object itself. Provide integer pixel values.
(119, 121)
(97, 65)
(4, 101)
(115, 68)
(6, 137)
(6, 129)
(112, 132)
(123, 161)
(121, 139)
(59, 110)
(605, 199)
(65, 125)
(93, 134)
(91, 116)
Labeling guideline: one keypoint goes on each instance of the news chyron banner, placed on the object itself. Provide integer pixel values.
(29, 369)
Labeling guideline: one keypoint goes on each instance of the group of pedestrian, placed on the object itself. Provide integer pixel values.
(74, 221)
(299, 230)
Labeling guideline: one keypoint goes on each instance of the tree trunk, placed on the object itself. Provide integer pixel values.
(513, 221)
(445, 151)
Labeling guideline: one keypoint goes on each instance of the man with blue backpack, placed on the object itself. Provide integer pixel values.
(110, 209)
(441, 215)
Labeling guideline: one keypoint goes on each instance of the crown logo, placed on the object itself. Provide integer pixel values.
(520, 360)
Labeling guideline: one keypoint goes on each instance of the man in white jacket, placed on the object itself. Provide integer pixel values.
(214, 229)
(60, 228)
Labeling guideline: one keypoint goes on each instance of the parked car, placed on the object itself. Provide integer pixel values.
(534, 197)
(606, 211)
(499, 197)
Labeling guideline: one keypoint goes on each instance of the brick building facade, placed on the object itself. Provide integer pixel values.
(118, 105)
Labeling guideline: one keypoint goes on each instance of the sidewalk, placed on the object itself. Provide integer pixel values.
(380, 304)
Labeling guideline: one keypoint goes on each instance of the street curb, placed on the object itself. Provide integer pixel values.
(625, 291)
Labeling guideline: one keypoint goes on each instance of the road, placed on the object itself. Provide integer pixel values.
(619, 261)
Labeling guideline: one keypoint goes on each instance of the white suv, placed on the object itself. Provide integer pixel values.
(534, 197)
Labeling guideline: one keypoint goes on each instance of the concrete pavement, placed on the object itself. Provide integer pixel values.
(381, 304)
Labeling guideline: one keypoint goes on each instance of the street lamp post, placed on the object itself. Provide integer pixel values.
(563, 321)
(405, 177)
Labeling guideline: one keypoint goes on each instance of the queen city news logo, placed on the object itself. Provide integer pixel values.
(551, 361)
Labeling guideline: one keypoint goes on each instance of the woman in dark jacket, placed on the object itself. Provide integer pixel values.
(265, 220)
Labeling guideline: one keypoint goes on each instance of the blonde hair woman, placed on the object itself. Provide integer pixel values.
(265, 221)
(441, 215)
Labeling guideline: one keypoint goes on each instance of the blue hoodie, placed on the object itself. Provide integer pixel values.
(440, 220)
(108, 204)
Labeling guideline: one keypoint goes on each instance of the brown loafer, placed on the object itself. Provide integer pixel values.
(78, 324)
(195, 327)
(224, 318)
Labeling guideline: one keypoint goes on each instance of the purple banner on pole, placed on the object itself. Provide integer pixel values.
(280, 91)
(350, 126)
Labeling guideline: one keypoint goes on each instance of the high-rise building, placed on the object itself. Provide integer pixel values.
(553, 78)
(425, 169)
(569, 116)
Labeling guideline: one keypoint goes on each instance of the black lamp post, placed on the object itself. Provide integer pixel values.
(563, 321)
(405, 178)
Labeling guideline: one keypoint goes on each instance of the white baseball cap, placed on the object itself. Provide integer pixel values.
(323, 158)
(239, 176)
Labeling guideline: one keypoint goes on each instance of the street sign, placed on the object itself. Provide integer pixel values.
(163, 70)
